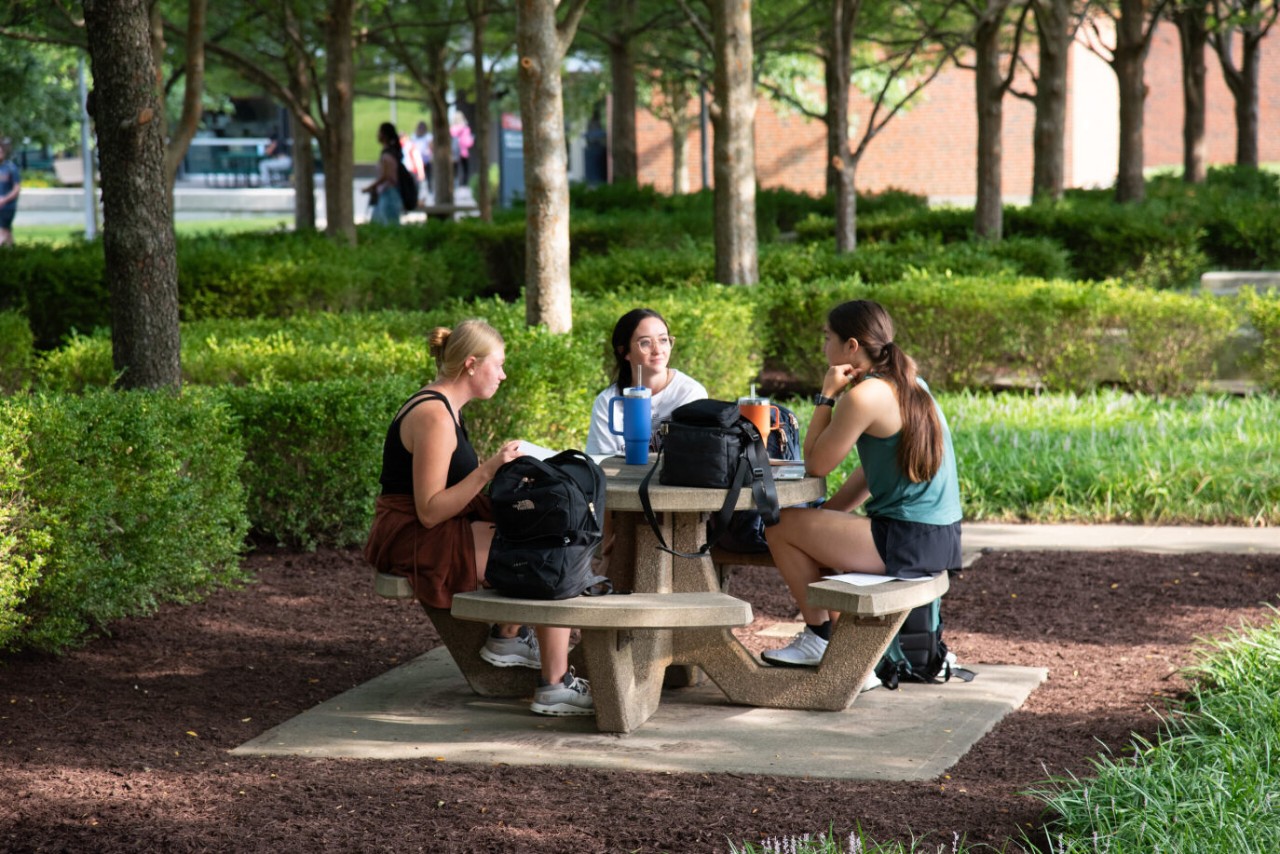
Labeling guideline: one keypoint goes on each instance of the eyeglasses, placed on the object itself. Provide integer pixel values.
(665, 342)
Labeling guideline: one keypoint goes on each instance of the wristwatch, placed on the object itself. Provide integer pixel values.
(821, 399)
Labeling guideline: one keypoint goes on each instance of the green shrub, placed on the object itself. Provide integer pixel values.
(970, 332)
(876, 263)
(1263, 311)
(59, 289)
(16, 342)
(22, 548)
(625, 269)
(312, 455)
(139, 497)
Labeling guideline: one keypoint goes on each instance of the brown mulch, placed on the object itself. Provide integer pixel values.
(123, 745)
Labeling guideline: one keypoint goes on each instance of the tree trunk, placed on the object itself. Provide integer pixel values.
(192, 93)
(546, 167)
(1192, 37)
(840, 165)
(304, 161)
(339, 127)
(137, 239)
(304, 181)
(441, 141)
(1053, 23)
(1247, 103)
(1128, 61)
(988, 210)
(735, 160)
(484, 120)
(679, 158)
(622, 71)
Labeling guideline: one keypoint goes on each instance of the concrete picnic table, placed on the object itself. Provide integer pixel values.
(679, 620)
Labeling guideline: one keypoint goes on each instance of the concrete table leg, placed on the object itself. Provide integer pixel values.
(856, 646)
(463, 639)
(626, 674)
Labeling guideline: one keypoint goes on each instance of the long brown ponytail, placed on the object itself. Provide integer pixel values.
(920, 449)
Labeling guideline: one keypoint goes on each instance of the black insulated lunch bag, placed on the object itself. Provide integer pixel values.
(548, 517)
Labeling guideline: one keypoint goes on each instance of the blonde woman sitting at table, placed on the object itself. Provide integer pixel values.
(433, 522)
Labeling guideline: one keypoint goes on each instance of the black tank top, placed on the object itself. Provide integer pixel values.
(397, 463)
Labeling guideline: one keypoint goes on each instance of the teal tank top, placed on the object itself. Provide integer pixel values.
(893, 496)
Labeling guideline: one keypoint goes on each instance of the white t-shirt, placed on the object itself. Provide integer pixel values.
(680, 390)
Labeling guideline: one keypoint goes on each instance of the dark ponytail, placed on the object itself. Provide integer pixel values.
(920, 449)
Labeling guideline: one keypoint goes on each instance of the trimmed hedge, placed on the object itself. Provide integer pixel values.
(130, 499)
(16, 349)
(22, 547)
(1062, 335)
(1263, 311)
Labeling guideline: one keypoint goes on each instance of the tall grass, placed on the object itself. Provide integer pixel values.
(1211, 783)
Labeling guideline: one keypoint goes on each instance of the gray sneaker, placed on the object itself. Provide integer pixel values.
(569, 697)
(519, 651)
(805, 650)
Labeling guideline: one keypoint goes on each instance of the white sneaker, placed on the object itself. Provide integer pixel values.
(805, 650)
(873, 682)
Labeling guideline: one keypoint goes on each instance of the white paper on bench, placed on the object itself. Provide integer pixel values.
(861, 579)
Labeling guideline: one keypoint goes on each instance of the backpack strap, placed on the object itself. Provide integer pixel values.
(763, 488)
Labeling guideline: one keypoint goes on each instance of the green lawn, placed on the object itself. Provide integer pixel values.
(58, 235)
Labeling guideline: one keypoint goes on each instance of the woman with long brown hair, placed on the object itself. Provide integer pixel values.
(906, 482)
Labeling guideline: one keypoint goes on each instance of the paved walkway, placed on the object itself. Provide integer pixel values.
(423, 709)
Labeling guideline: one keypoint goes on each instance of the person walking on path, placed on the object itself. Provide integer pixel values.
(422, 139)
(10, 187)
(462, 142)
(384, 192)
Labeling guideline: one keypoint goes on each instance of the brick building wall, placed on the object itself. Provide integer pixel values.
(931, 148)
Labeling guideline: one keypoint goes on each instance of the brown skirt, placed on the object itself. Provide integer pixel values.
(439, 561)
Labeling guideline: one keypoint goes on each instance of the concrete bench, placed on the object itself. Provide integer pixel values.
(463, 639)
(1229, 282)
(628, 641)
(870, 616)
(448, 211)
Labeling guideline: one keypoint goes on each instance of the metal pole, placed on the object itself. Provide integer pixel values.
(86, 155)
(393, 97)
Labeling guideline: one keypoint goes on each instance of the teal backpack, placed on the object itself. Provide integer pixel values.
(917, 652)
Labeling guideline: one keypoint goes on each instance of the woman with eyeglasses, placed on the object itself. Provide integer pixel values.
(642, 345)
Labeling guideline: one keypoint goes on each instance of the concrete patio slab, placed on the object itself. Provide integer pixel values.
(424, 710)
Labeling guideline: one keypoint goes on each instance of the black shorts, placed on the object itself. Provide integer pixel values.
(6, 218)
(914, 549)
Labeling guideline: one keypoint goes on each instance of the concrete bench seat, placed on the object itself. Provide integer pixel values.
(628, 641)
(631, 611)
(391, 586)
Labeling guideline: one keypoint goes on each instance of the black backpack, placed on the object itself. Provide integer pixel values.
(745, 531)
(917, 653)
(548, 516)
(407, 185)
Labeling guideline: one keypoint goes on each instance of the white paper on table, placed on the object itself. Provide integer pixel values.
(536, 451)
(600, 458)
(861, 579)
